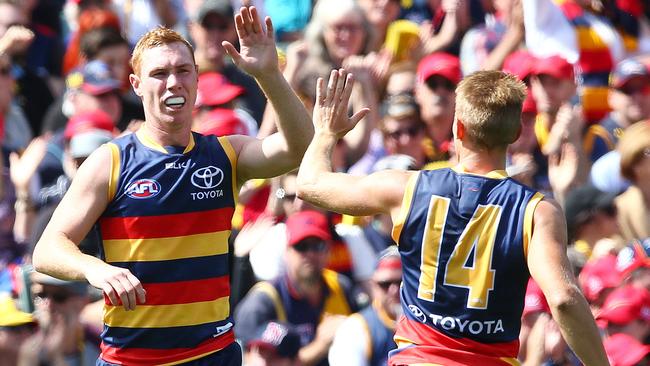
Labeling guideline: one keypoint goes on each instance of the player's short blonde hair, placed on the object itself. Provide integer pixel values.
(155, 38)
(489, 103)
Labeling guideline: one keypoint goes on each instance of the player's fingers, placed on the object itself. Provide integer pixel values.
(121, 292)
(129, 293)
(239, 26)
(320, 92)
(340, 84)
(255, 18)
(140, 292)
(248, 20)
(270, 31)
(231, 51)
(359, 116)
(109, 291)
(331, 86)
(347, 91)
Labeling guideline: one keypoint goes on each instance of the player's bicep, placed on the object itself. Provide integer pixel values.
(547, 258)
(261, 158)
(85, 200)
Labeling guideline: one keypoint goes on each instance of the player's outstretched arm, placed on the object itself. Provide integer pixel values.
(550, 268)
(282, 151)
(344, 193)
(57, 252)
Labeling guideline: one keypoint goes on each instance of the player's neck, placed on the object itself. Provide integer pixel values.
(482, 162)
(167, 137)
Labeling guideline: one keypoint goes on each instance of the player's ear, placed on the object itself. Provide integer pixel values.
(135, 84)
(459, 129)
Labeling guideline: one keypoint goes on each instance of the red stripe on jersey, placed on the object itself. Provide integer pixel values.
(184, 292)
(149, 356)
(165, 226)
(429, 344)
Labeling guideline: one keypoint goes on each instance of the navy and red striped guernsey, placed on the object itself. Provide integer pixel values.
(168, 221)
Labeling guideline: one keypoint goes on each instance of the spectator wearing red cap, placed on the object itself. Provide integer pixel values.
(629, 98)
(307, 296)
(211, 23)
(217, 107)
(366, 337)
(437, 77)
(627, 310)
(623, 350)
(521, 163)
(598, 278)
(633, 262)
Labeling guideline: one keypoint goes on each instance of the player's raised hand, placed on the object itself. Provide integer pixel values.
(331, 109)
(257, 55)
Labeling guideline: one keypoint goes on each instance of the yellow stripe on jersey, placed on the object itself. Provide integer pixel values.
(528, 220)
(595, 97)
(511, 361)
(232, 156)
(158, 249)
(115, 170)
(163, 316)
(406, 206)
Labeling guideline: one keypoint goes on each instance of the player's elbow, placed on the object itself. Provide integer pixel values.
(565, 300)
(39, 259)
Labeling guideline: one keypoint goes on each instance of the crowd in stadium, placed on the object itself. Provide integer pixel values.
(307, 286)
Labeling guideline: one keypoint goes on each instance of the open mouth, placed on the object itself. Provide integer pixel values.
(175, 102)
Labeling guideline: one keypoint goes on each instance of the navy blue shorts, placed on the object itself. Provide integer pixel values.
(229, 356)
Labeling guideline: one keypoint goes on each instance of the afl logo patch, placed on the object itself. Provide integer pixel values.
(143, 188)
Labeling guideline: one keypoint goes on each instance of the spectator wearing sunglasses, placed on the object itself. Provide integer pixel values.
(437, 77)
(307, 296)
(403, 131)
(629, 98)
(366, 337)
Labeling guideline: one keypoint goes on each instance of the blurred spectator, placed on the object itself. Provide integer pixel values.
(106, 44)
(380, 14)
(33, 93)
(437, 77)
(366, 337)
(91, 18)
(307, 296)
(15, 132)
(634, 204)
(579, 32)
(221, 122)
(623, 350)
(62, 338)
(15, 328)
(591, 217)
(215, 92)
(627, 310)
(598, 278)
(337, 30)
(633, 262)
(210, 24)
(486, 46)
(629, 98)
(606, 175)
(450, 19)
(274, 344)
(139, 16)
